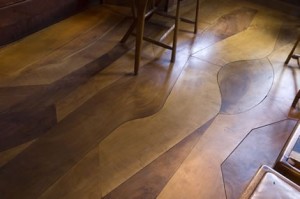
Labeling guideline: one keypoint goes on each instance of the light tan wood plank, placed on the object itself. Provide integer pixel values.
(214, 146)
(256, 42)
(149, 181)
(118, 69)
(244, 84)
(121, 155)
(71, 139)
(89, 112)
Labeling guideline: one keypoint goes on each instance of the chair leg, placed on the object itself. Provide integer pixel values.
(292, 51)
(175, 34)
(141, 10)
(196, 17)
(296, 99)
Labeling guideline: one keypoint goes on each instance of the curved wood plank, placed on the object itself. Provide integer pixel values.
(160, 132)
(261, 147)
(244, 84)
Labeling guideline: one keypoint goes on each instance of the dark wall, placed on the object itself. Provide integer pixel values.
(19, 18)
(118, 2)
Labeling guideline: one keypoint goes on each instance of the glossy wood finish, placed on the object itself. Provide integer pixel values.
(114, 133)
(189, 93)
(139, 9)
(156, 175)
(257, 76)
(19, 18)
(261, 147)
(140, 24)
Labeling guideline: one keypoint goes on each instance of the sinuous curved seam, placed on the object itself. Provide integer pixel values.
(244, 84)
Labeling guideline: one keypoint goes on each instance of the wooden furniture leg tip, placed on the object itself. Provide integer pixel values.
(296, 100)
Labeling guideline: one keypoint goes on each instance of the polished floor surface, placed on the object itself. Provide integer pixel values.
(76, 123)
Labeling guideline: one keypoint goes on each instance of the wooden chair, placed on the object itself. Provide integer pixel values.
(292, 55)
(140, 16)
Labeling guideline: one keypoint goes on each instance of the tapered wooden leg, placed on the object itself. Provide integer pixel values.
(175, 34)
(197, 17)
(296, 99)
(292, 51)
(141, 10)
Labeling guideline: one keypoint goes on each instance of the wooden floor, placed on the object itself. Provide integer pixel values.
(76, 123)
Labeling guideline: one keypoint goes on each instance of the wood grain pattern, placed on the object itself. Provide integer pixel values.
(66, 144)
(23, 126)
(81, 181)
(69, 56)
(261, 147)
(227, 25)
(235, 48)
(4, 3)
(116, 134)
(149, 181)
(20, 18)
(244, 84)
(6, 156)
(49, 39)
(225, 133)
(158, 133)
(13, 129)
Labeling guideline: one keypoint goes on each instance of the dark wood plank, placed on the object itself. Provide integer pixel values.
(14, 129)
(13, 95)
(69, 141)
(81, 181)
(149, 182)
(244, 84)
(261, 146)
(25, 17)
(4, 3)
(48, 95)
(24, 126)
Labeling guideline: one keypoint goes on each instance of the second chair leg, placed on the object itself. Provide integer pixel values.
(141, 10)
(197, 17)
(296, 99)
(292, 51)
(175, 34)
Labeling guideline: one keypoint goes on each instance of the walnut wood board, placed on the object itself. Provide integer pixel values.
(256, 77)
(82, 126)
(4, 3)
(261, 147)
